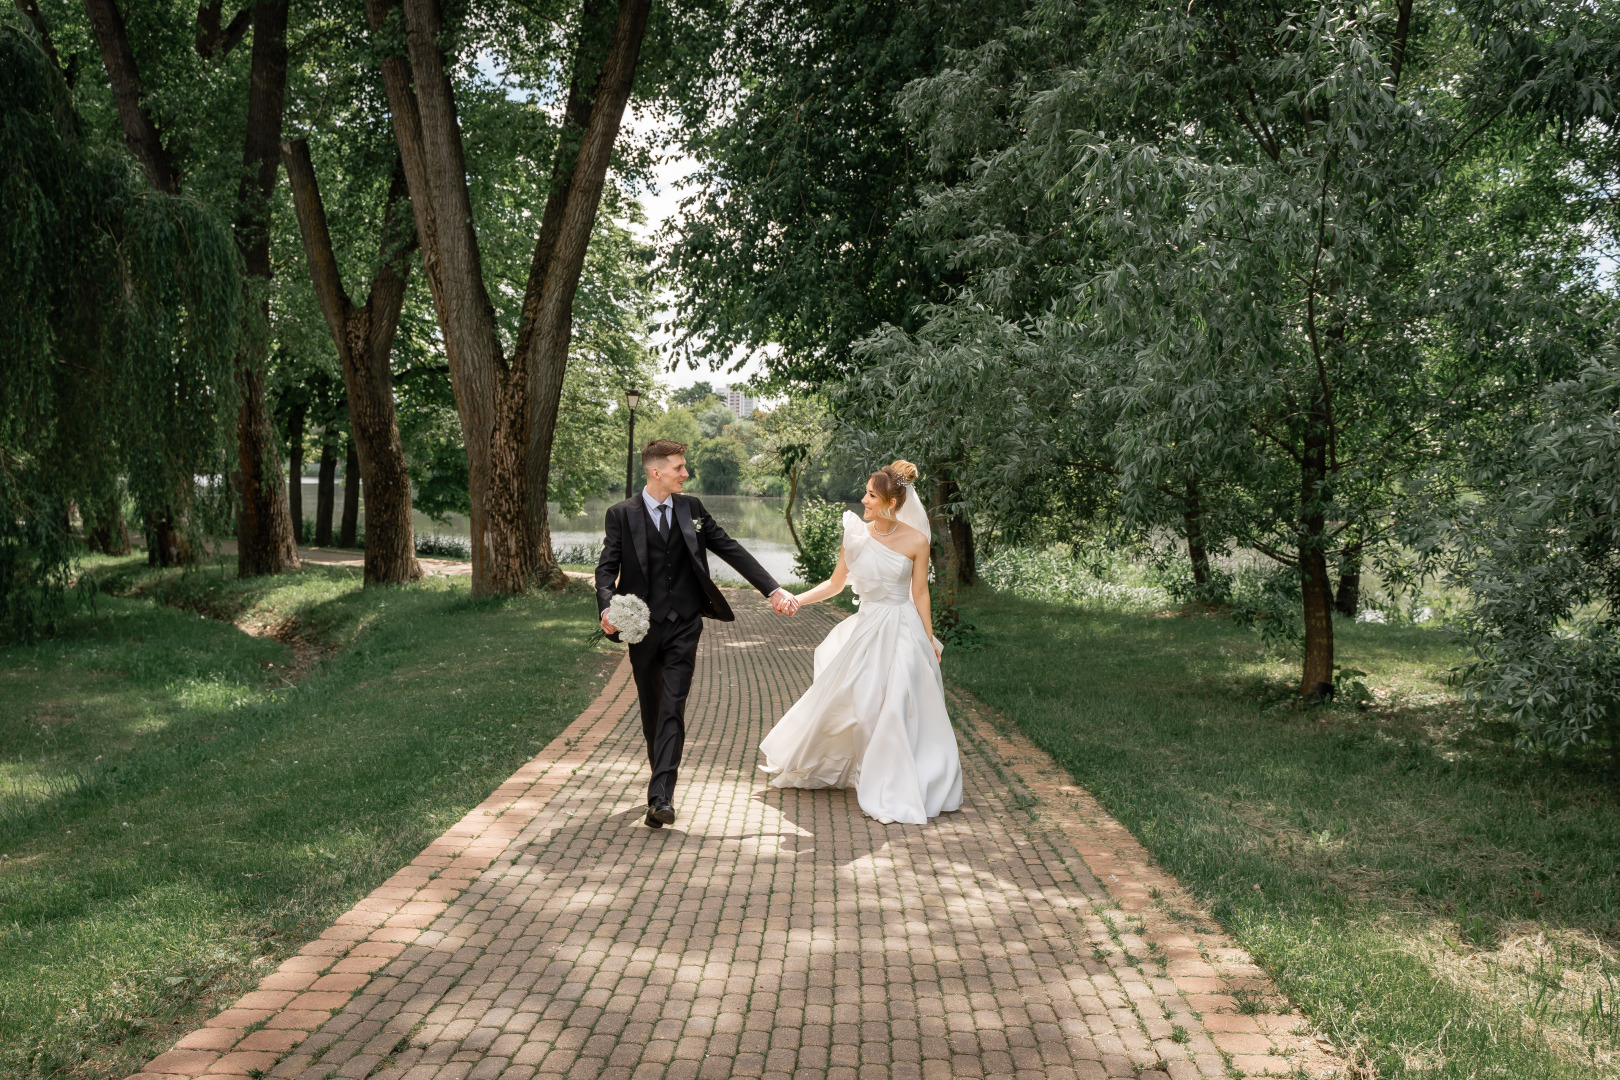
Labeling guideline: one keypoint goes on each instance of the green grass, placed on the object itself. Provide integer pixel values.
(1439, 903)
(175, 814)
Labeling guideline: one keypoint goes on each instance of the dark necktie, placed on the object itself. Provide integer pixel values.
(663, 521)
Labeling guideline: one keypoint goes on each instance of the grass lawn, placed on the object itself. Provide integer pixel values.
(1437, 902)
(183, 802)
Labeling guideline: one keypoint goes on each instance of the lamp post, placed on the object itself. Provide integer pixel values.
(632, 397)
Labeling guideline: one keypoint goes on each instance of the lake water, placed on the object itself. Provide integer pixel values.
(756, 523)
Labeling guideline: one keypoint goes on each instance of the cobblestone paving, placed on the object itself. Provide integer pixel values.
(768, 934)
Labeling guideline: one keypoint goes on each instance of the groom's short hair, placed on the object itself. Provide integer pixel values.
(655, 453)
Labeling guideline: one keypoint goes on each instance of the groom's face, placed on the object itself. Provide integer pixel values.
(669, 477)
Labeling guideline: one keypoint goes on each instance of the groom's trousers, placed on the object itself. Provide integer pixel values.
(663, 662)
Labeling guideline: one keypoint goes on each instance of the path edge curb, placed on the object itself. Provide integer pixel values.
(270, 1026)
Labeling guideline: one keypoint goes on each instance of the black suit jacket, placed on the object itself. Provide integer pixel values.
(623, 565)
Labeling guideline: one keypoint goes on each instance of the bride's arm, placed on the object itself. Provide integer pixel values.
(831, 587)
(919, 595)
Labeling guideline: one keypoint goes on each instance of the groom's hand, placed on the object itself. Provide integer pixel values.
(784, 602)
(607, 627)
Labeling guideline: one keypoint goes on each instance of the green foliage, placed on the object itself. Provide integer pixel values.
(821, 536)
(698, 394)
(675, 424)
(718, 464)
(794, 236)
(1230, 269)
(1539, 552)
(119, 328)
(1095, 575)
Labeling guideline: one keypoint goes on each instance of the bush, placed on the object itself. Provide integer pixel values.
(1540, 555)
(821, 534)
(578, 554)
(1094, 576)
(439, 546)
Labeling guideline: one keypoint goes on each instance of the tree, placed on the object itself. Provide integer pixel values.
(793, 237)
(508, 403)
(364, 337)
(119, 314)
(696, 394)
(792, 437)
(264, 526)
(264, 540)
(1539, 552)
(1281, 268)
(794, 246)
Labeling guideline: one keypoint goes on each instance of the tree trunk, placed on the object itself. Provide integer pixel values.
(325, 493)
(348, 532)
(787, 509)
(166, 541)
(30, 8)
(264, 536)
(948, 562)
(1348, 600)
(1316, 680)
(1193, 516)
(112, 39)
(104, 529)
(489, 391)
(605, 59)
(214, 37)
(954, 536)
(364, 337)
(967, 562)
(295, 469)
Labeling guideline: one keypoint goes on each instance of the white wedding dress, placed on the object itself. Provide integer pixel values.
(874, 718)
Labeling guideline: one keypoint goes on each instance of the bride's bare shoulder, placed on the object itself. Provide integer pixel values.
(911, 542)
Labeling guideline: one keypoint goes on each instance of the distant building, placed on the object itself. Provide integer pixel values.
(738, 402)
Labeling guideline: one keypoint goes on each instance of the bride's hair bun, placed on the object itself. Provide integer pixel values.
(892, 483)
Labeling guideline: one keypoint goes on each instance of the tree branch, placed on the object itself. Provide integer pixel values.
(30, 8)
(212, 39)
(1397, 49)
(323, 268)
(140, 133)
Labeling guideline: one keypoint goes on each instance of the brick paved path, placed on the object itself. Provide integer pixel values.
(768, 934)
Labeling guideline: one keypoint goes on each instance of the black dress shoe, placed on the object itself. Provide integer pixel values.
(660, 813)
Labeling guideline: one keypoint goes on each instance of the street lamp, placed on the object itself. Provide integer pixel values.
(632, 398)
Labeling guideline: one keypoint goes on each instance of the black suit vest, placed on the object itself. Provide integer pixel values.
(671, 583)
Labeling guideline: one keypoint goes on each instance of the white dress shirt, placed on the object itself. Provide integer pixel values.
(652, 507)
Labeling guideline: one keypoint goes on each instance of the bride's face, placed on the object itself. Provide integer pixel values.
(873, 504)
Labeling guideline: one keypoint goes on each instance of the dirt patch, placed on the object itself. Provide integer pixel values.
(306, 652)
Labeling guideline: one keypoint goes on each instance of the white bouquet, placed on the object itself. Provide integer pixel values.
(629, 613)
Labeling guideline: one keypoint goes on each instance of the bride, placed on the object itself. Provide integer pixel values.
(874, 718)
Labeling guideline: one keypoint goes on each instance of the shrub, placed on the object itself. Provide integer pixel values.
(438, 546)
(584, 554)
(1093, 576)
(821, 533)
(1540, 555)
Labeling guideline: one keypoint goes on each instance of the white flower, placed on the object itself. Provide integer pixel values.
(629, 613)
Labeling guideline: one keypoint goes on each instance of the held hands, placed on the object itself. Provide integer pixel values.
(782, 602)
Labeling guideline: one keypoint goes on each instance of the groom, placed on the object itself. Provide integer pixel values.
(657, 548)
